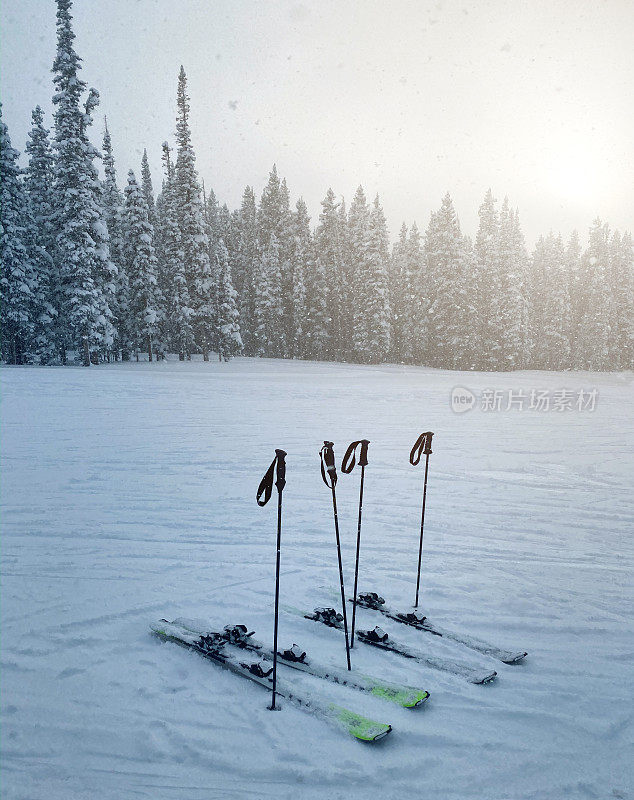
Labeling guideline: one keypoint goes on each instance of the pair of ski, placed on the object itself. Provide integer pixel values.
(234, 648)
(379, 638)
(416, 619)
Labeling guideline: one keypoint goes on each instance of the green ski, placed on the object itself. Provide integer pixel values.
(258, 670)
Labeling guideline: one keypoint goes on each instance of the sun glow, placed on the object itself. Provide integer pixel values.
(573, 178)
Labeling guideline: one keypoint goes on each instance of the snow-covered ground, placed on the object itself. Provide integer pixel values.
(129, 494)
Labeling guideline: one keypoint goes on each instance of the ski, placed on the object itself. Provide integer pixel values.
(416, 619)
(258, 670)
(296, 658)
(379, 638)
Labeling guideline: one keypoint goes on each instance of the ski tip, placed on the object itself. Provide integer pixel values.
(515, 659)
(381, 735)
(423, 698)
(371, 731)
(486, 679)
(361, 728)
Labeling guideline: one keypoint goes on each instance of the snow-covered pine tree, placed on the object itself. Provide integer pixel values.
(229, 341)
(346, 339)
(39, 179)
(82, 254)
(309, 291)
(268, 331)
(177, 329)
(274, 223)
(141, 268)
(447, 322)
(551, 311)
(521, 269)
(194, 244)
(113, 210)
(244, 267)
(576, 292)
(210, 216)
(470, 347)
(511, 288)
(622, 292)
(38, 185)
(414, 302)
(353, 284)
(330, 271)
(148, 190)
(488, 284)
(372, 303)
(285, 239)
(596, 317)
(21, 290)
(397, 294)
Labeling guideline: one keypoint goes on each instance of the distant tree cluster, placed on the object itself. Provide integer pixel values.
(91, 273)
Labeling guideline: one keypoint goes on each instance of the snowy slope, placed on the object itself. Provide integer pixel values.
(128, 495)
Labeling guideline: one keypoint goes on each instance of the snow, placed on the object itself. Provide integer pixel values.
(128, 495)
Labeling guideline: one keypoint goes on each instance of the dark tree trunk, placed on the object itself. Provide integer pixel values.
(86, 351)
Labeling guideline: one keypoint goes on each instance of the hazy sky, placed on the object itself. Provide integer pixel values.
(409, 98)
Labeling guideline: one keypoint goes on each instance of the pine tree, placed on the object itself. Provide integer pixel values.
(551, 311)
(245, 261)
(511, 287)
(576, 292)
(372, 307)
(447, 314)
(622, 293)
(178, 315)
(415, 302)
(194, 244)
(488, 287)
(274, 225)
(596, 317)
(310, 320)
(330, 273)
(268, 332)
(353, 283)
(113, 210)
(19, 281)
(228, 331)
(39, 179)
(397, 295)
(82, 255)
(38, 185)
(148, 190)
(141, 267)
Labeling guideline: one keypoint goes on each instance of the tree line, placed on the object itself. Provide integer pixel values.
(92, 273)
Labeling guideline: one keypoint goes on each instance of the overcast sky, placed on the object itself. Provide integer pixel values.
(410, 98)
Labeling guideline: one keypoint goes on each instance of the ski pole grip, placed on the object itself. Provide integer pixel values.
(327, 455)
(280, 457)
(363, 455)
(349, 460)
(421, 447)
(265, 489)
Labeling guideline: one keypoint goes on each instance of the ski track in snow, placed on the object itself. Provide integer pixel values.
(128, 494)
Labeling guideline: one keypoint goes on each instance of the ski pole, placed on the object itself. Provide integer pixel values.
(278, 467)
(327, 455)
(347, 465)
(422, 445)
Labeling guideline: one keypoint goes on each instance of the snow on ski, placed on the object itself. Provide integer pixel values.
(258, 670)
(416, 619)
(379, 638)
(296, 658)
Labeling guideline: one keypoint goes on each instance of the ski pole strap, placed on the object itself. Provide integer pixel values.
(266, 484)
(327, 456)
(423, 445)
(347, 465)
